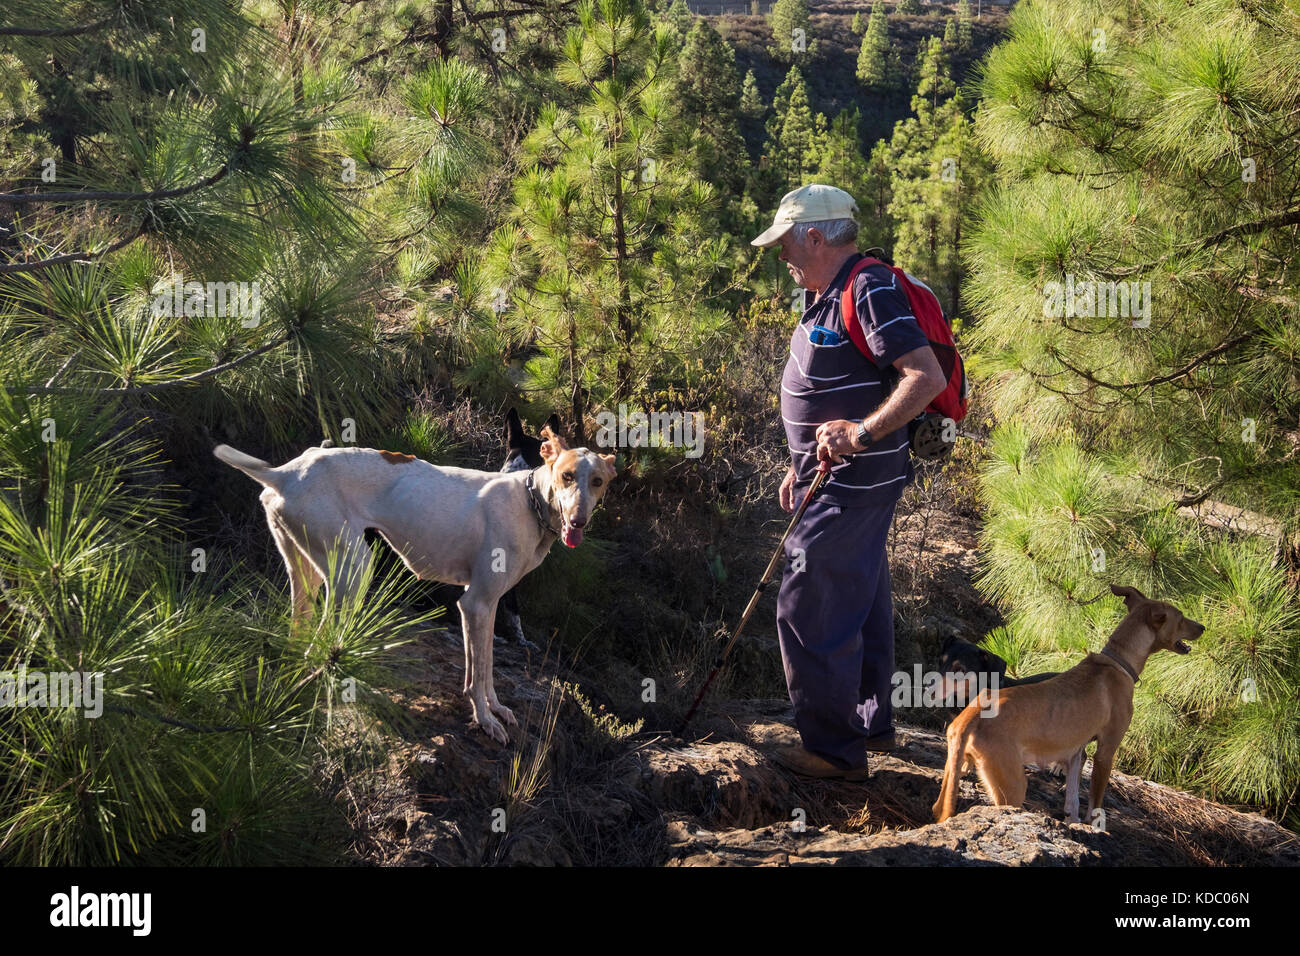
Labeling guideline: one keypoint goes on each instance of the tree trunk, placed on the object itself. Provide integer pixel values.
(576, 404)
(442, 14)
(623, 312)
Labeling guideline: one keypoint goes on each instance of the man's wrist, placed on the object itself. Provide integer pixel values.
(862, 438)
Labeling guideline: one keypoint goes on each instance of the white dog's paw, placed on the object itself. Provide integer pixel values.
(485, 721)
(492, 727)
(503, 712)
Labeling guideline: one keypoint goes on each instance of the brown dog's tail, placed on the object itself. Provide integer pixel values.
(946, 805)
(260, 471)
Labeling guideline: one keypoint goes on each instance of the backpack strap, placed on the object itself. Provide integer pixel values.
(849, 308)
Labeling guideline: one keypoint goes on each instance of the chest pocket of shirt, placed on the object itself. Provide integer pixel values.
(830, 359)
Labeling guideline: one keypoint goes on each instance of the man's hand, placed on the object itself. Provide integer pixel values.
(787, 491)
(836, 439)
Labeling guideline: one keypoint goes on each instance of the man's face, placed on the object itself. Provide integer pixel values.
(798, 256)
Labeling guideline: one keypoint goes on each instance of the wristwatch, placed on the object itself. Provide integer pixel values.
(863, 437)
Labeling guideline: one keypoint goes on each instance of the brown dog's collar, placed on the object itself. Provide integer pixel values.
(1124, 665)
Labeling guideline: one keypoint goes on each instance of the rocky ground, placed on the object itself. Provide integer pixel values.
(576, 787)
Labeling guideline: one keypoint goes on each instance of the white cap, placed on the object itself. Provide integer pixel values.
(812, 203)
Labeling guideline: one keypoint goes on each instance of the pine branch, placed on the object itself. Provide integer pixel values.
(246, 140)
(57, 31)
(1201, 359)
(152, 387)
(1240, 229)
(13, 267)
(172, 721)
(518, 12)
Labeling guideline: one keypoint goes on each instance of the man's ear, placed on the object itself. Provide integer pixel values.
(609, 465)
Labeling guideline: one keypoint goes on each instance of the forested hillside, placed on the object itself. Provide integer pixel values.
(382, 224)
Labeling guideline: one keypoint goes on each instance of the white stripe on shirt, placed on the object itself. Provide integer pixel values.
(859, 454)
(818, 378)
(823, 391)
(842, 484)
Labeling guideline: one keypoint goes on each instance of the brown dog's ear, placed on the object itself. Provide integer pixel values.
(1156, 617)
(1130, 595)
(609, 464)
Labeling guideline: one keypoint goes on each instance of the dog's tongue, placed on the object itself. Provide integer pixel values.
(572, 535)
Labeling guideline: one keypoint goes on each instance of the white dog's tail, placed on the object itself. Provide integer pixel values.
(255, 468)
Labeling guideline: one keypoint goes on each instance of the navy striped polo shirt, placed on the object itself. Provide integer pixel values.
(833, 380)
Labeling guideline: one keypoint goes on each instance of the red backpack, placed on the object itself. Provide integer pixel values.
(951, 402)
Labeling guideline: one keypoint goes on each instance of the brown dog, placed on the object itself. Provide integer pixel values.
(1052, 722)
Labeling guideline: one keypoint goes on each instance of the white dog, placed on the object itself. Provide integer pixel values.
(483, 530)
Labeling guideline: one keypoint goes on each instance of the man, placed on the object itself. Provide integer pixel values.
(834, 610)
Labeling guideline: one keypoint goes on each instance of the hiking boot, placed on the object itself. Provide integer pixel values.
(808, 764)
(882, 743)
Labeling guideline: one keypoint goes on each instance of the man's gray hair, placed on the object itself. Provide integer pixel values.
(838, 232)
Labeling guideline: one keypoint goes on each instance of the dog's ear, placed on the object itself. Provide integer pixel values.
(1156, 616)
(514, 428)
(611, 470)
(947, 643)
(553, 423)
(1130, 595)
(552, 446)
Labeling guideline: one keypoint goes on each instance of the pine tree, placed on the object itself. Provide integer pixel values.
(935, 86)
(874, 70)
(964, 24)
(908, 7)
(839, 160)
(792, 139)
(875, 193)
(708, 93)
(225, 154)
(679, 19)
(858, 25)
(608, 255)
(1135, 283)
(936, 172)
(790, 24)
(950, 34)
(751, 102)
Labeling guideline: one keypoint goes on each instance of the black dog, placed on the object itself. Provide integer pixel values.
(523, 451)
(957, 658)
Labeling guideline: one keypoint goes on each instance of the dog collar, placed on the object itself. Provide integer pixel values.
(1124, 665)
(541, 510)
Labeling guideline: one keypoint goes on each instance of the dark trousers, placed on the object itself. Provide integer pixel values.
(835, 621)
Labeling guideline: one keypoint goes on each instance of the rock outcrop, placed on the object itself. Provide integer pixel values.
(576, 789)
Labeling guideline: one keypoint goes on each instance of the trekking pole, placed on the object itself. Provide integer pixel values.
(823, 470)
